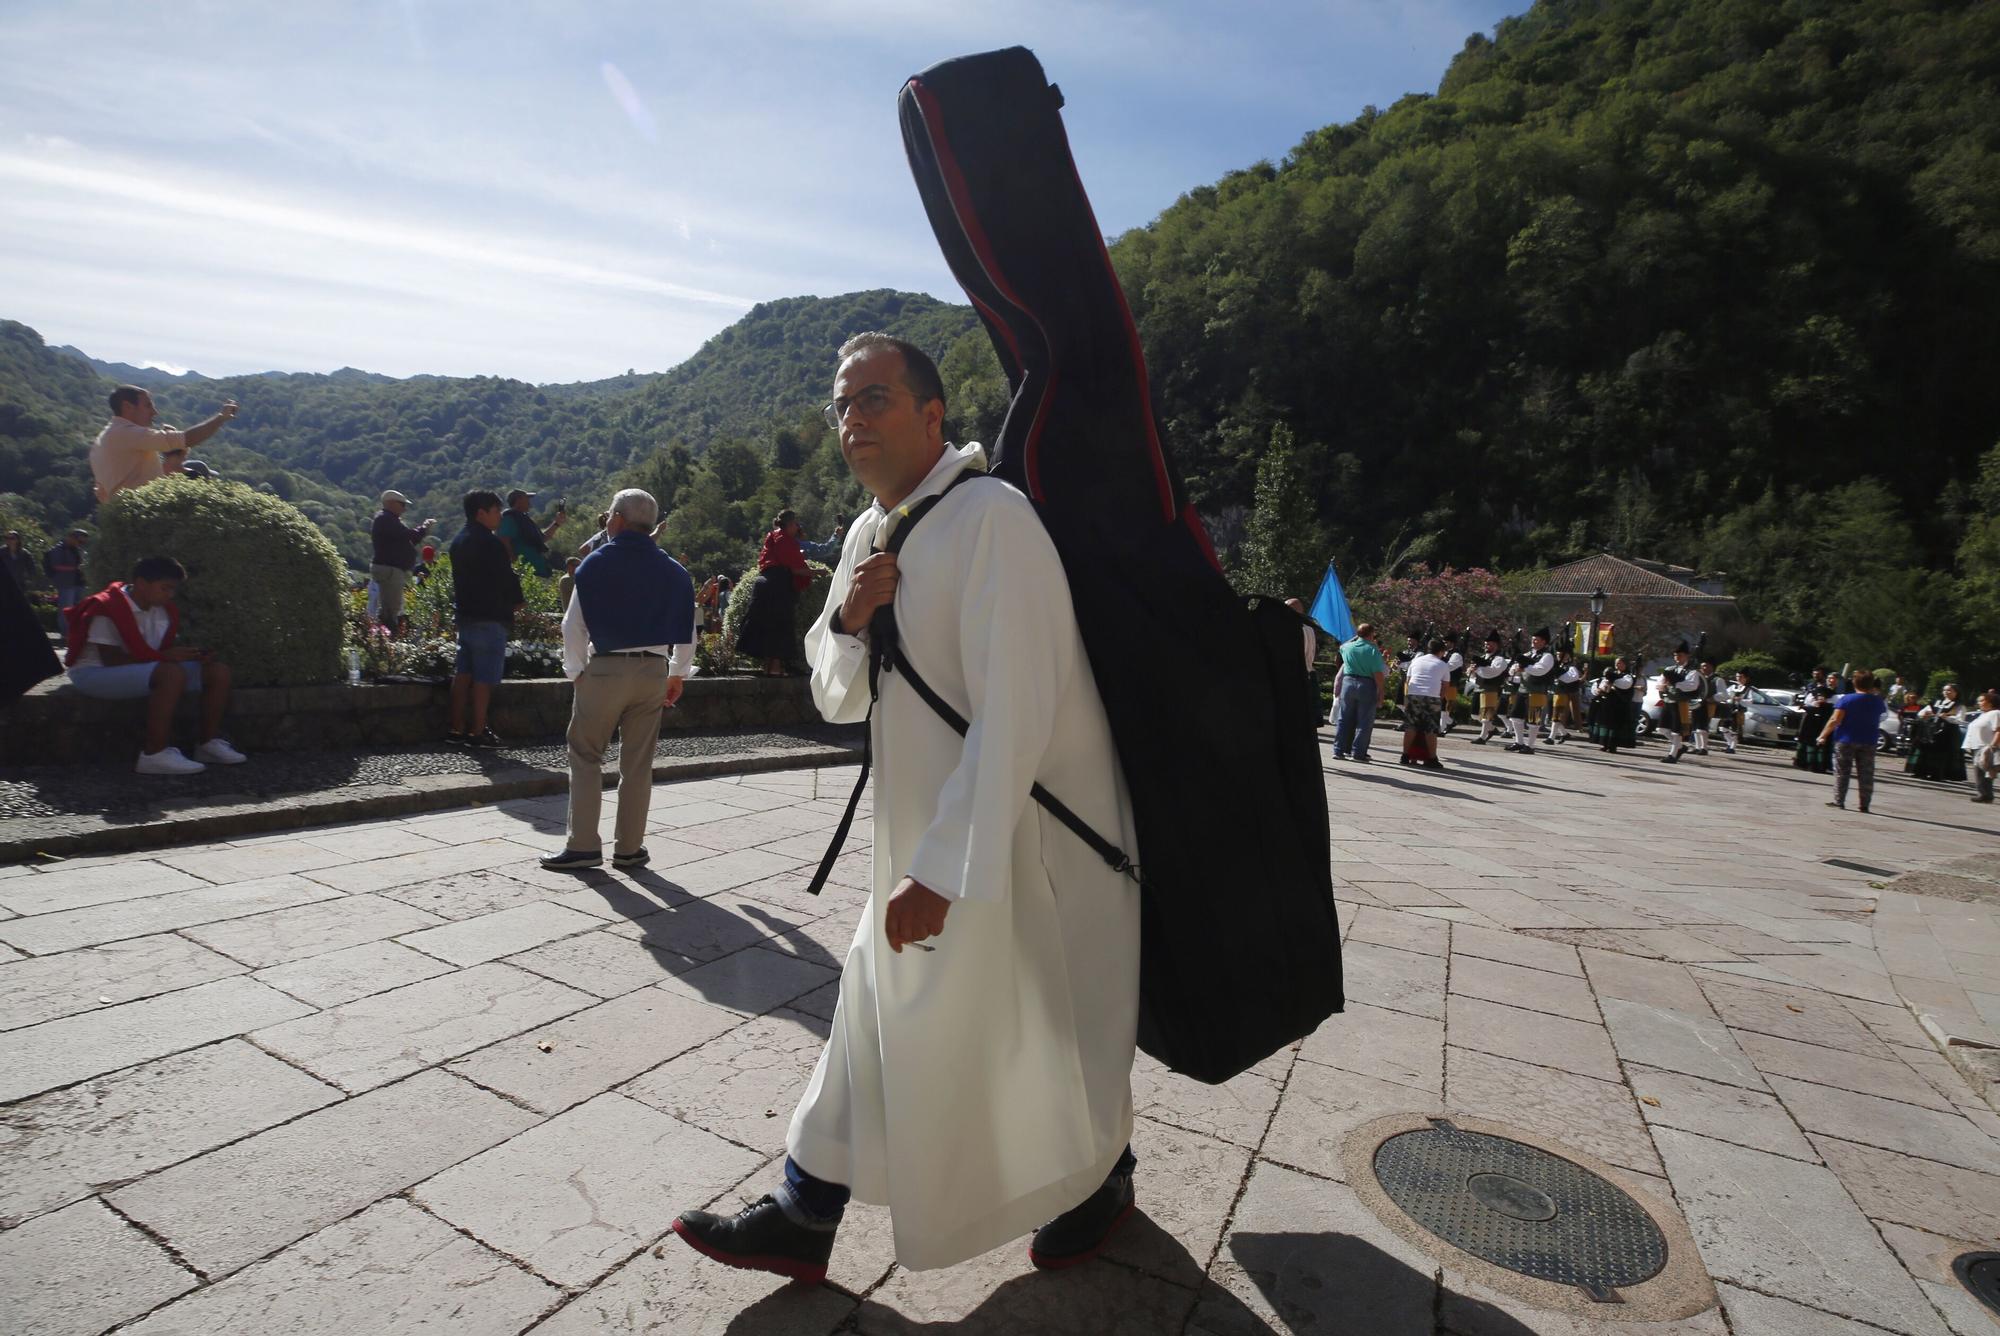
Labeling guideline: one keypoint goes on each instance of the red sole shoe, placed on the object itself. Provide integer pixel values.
(800, 1273)
(1047, 1263)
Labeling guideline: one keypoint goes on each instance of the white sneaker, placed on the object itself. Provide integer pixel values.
(216, 751)
(167, 761)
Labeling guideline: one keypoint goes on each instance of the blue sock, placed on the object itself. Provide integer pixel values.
(810, 1201)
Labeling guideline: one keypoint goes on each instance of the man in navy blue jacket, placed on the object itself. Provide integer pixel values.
(628, 644)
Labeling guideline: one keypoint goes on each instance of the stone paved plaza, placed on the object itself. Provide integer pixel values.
(391, 1077)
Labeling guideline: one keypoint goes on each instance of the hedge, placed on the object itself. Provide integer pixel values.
(264, 585)
(811, 601)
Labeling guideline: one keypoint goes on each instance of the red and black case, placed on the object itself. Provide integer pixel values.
(1205, 689)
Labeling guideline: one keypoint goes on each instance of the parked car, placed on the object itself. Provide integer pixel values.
(1772, 714)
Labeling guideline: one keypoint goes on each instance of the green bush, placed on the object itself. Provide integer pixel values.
(1764, 670)
(428, 606)
(811, 602)
(264, 585)
(1935, 687)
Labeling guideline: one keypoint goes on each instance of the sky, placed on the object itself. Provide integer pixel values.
(564, 191)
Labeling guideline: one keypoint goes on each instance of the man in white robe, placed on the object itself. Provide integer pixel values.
(978, 1084)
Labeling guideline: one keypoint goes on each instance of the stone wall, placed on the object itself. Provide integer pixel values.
(56, 724)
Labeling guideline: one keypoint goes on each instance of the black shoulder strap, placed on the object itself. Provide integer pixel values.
(885, 653)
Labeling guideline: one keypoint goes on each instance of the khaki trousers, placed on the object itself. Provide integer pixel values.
(621, 693)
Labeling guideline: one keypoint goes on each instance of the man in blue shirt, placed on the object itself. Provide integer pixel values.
(1362, 673)
(1856, 729)
(628, 644)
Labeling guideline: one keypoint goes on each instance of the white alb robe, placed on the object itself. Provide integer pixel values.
(983, 1088)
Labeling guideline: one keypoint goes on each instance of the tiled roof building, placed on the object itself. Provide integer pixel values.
(1631, 580)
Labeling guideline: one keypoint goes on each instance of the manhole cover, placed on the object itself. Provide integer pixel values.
(1980, 1273)
(1521, 1208)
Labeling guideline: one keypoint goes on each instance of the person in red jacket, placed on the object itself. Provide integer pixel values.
(121, 647)
(769, 632)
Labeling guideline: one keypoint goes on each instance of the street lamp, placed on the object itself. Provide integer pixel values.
(1596, 612)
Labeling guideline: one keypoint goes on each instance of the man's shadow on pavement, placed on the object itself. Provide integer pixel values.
(1325, 1284)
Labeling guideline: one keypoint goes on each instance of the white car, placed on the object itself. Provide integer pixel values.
(1769, 716)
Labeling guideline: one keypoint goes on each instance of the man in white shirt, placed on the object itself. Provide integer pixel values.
(628, 644)
(1427, 689)
(1982, 747)
(128, 452)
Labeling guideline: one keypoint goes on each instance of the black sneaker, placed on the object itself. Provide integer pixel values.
(454, 738)
(760, 1237)
(1433, 765)
(488, 738)
(1080, 1233)
(637, 858)
(574, 860)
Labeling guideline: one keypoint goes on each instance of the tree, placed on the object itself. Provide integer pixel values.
(1284, 551)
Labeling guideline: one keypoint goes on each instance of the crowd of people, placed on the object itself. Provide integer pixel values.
(1542, 693)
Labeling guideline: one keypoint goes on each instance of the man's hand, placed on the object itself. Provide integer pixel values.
(915, 912)
(874, 587)
(675, 686)
(228, 409)
(427, 526)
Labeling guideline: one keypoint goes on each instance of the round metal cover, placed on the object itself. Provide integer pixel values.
(1521, 1208)
(1980, 1273)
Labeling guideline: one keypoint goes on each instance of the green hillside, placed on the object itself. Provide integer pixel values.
(1705, 280)
(332, 443)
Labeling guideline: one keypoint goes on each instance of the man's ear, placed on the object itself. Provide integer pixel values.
(934, 417)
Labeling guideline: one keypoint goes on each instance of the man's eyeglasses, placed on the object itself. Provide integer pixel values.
(870, 401)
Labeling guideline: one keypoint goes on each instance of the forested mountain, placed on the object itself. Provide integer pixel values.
(1708, 281)
(332, 443)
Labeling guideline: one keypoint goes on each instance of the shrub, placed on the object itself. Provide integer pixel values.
(1935, 687)
(811, 601)
(1764, 670)
(264, 585)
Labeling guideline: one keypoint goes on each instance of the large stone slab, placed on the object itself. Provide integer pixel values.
(1307, 1256)
(1636, 979)
(727, 871)
(1801, 1014)
(358, 971)
(752, 981)
(390, 1271)
(47, 934)
(311, 930)
(1186, 1187)
(672, 1290)
(1723, 1112)
(1920, 1193)
(1236, 1111)
(451, 860)
(743, 1086)
(1388, 1045)
(82, 884)
(79, 1270)
(467, 894)
(1515, 949)
(266, 858)
(550, 1067)
(582, 1192)
(1381, 976)
(1889, 1124)
(1531, 1036)
(693, 933)
(366, 1043)
(1788, 1229)
(105, 1132)
(45, 988)
(1888, 1078)
(607, 963)
(1321, 1106)
(56, 1053)
(1522, 986)
(1766, 1316)
(1678, 1041)
(490, 936)
(233, 1205)
(999, 1294)
(1595, 1116)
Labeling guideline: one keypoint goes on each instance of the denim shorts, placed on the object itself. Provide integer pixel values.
(126, 681)
(482, 651)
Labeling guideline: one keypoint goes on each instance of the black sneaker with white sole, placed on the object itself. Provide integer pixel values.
(637, 858)
(574, 860)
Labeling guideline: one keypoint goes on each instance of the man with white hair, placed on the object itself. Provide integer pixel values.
(628, 644)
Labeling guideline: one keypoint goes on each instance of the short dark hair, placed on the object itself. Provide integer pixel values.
(920, 374)
(123, 395)
(1864, 680)
(1436, 646)
(478, 501)
(785, 516)
(158, 568)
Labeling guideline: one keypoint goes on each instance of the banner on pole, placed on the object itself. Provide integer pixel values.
(1329, 607)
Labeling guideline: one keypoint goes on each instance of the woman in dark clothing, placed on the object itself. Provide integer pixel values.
(1812, 754)
(1613, 718)
(769, 622)
(1939, 740)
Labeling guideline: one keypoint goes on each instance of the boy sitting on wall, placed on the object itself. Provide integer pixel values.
(121, 647)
